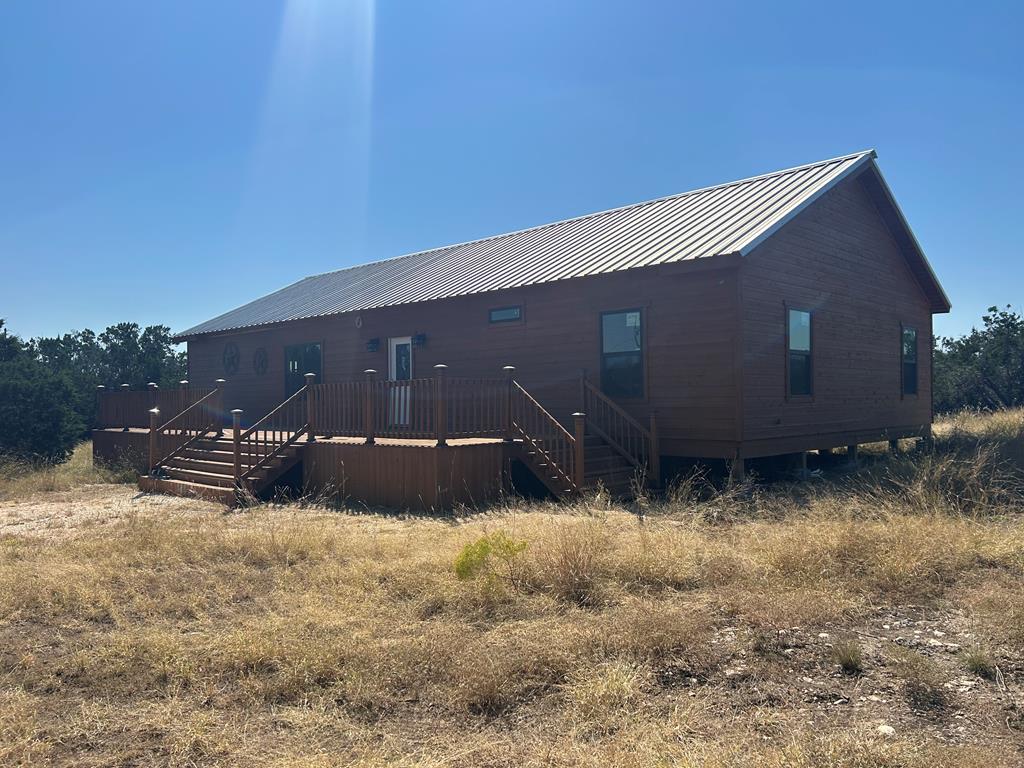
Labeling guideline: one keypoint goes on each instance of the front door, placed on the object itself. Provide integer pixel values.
(399, 369)
(300, 359)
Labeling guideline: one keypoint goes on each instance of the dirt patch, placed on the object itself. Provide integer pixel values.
(65, 513)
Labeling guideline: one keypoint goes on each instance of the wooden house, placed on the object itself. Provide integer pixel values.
(777, 314)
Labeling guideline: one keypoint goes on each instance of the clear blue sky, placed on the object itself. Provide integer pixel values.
(163, 161)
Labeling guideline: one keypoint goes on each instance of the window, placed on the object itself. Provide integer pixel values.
(908, 356)
(622, 362)
(506, 314)
(299, 360)
(798, 341)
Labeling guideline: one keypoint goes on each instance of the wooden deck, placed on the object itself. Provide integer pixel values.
(419, 443)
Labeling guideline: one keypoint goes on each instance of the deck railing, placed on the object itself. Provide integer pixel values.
(607, 420)
(125, 408)
(196, 420)
(557, 451)
(271, 435)
(437, 408)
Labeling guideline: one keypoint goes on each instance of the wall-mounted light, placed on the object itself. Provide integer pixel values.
(419, 340)
(373, 345)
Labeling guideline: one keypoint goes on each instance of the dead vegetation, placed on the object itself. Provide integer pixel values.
(875, 618)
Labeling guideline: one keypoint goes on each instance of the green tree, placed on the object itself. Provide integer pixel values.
(983, 368)
(37, 415)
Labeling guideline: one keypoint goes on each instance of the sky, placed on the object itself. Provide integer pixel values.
(167, 160)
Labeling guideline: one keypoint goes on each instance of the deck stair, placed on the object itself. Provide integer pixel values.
(608, 469)
(208, 462)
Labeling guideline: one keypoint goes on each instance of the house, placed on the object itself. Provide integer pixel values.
(778, 314)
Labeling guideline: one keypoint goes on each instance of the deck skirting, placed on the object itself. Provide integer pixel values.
(408, 474)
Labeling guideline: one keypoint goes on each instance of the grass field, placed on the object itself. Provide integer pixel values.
(870, 618)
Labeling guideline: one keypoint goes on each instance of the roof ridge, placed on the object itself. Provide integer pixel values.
(594, 214)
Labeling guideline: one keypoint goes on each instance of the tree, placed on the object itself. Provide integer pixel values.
(37, 414)
(984, 368)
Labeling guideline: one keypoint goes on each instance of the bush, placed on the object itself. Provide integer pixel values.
(37, 418)
(492, 556)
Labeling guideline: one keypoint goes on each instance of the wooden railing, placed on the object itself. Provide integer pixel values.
(337, 408)
(271, 435)
(124, 408)
(437, 408)
(477, 407)
(557, 450)
(196, 420)
(607, 420)
(404, 409)
(426, 409)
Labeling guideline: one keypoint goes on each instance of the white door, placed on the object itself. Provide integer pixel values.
(399, 369)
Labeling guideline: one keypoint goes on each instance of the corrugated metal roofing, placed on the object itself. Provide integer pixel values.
(729, 218)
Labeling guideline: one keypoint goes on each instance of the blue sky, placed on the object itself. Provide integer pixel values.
(164, 161)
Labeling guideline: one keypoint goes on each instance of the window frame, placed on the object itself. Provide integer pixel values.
(509, 321)
(903, 362)
(642, 396)
(809, 395)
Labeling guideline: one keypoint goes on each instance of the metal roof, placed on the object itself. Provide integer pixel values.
(724, 219)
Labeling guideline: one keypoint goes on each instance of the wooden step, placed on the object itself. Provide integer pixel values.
(199, 477)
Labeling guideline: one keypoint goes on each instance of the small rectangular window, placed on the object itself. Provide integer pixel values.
(622, 363)
(506, 314)
(908, 356)
(798, 340)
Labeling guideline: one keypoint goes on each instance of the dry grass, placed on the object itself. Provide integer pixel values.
(709, 633)
(20, 479)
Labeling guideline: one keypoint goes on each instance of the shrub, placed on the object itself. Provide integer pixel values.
(37, 420)
(492, 556)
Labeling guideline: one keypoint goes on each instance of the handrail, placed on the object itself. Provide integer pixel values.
(627, 436)
(255, 427)
(543, 432)
(189, 424)
(272, 434)
(180, 415)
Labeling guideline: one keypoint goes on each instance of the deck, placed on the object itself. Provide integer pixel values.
(421, 443)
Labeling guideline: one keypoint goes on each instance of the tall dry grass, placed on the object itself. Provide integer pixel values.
(21, 479)
(582, 635)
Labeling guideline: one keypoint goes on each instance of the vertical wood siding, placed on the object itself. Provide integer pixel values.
(690, 324)
(838, 260)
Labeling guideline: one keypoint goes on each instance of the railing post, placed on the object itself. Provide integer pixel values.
(100, 390)
(153, 396)
(580, 428)
(655, 453)
(218, 405)
(440, 403)
(368, 389)
(236, 439)
(124, 405)
(183, 395)
(310, 380)
(154, 423)
(510, 377)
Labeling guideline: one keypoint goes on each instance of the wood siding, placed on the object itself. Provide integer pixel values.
(429, 478)
(838, 260)
(690, 327)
